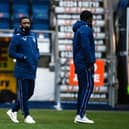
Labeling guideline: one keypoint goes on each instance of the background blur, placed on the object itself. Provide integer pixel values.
(56, 81)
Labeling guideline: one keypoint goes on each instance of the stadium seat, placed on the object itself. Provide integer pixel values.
(4, 15)
(40, 12)
(40, 26)
(4, 25)
(40, 2)
(23, 2)
(19, 8)
(19, 11)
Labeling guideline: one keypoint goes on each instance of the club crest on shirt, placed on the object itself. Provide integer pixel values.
(24, 38)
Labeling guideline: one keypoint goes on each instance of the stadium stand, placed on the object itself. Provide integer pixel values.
(12, 10)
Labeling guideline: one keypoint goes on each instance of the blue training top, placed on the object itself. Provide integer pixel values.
(83, 46)
(23, 47)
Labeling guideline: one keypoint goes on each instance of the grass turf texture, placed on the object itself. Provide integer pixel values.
(51, 119)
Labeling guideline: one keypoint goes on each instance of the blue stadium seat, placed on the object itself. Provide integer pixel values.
(4, 7)
(38, 26)
(15, 23)
(40, 12)
(4, 15)
(4, 24)
(41, 2)
(23, 2)
(19, 8)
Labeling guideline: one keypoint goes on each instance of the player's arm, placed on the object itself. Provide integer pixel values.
(86, 46)
(13, 49)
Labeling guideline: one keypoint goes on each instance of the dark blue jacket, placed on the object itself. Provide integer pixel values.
(83, 46)
(23, 48)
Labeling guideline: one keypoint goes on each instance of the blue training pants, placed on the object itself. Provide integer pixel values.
(86, 84)
(25, 89)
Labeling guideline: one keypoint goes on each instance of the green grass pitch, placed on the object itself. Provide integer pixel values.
(52, 119)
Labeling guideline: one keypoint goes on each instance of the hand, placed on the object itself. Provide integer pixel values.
(23, 59)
